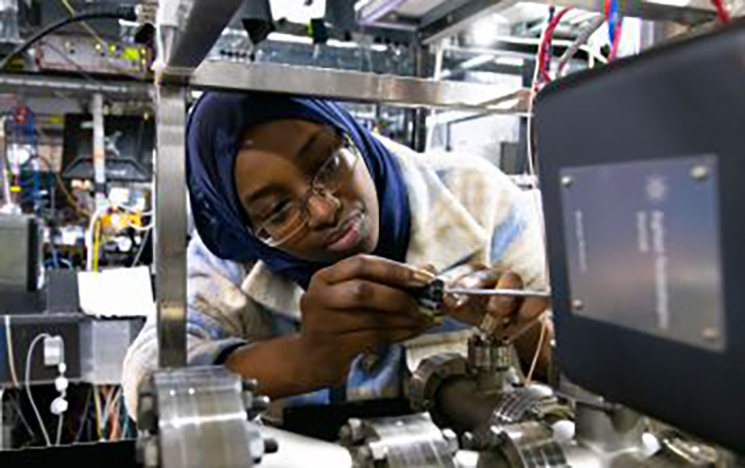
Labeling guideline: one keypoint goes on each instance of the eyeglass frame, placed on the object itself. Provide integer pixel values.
(314, 188)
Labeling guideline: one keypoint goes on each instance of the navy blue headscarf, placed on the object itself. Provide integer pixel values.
(213, 132)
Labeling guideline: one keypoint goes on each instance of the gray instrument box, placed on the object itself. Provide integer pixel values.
(642, 174)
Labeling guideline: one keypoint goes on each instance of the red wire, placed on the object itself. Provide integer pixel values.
(548, 37)
(722, 12)
(616, 41)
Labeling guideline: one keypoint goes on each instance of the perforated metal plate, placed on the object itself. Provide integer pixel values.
(643, 247)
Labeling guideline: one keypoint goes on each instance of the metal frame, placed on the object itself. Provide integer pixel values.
(348, 85)
(170, 226)
(30, 82)
(444, 20)
(453, 17)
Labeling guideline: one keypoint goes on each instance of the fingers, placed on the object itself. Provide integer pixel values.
(515, 315)
(368, 340)
(363, 294)
(504, 307)
(377, 269)
(469, 276)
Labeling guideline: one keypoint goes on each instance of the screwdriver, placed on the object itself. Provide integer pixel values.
(432, 296)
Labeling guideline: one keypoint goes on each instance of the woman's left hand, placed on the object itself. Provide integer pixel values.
(510, 315)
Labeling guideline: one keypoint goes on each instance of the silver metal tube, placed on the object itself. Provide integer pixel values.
(170, 226)
(499, 292)
(99, 152)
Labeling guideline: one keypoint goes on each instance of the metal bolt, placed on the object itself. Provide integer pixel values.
(699, 172)
(451, 438)
(567, 181)
(270, 445)
(577, 304)
(261, 403)
(250, 385)
(378, 450)
(469, 441)
(356, 430)
(710, 334)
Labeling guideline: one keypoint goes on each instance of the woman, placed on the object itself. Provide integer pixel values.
(310, 230)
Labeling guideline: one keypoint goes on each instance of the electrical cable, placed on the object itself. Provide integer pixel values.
(582, 38)
(722, 12)
(17, 407)
(616, 40)
(28, 385)
(140, 251)
(97, 412)
(9, 346)
(124, 13)
(539, 348)
(85, 25)
(96, 245)
(84, 418)
(534, 182)
(59, 429)
(545, 44)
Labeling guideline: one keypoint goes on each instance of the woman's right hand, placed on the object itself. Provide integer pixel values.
(355, 305)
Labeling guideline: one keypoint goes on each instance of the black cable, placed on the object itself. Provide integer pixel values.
(124, 13)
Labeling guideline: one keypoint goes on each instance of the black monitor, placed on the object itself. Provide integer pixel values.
(642, 166)
(129, 143)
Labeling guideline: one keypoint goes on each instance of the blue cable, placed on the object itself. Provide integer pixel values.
(612, 21)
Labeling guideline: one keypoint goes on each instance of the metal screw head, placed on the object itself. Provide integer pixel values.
(567, 181)
(699, 172)
(710, 334)
(577, 304)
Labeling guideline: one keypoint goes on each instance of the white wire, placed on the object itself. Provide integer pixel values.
(28, 385)
(109, 405)
(89, 235)
(534, 197)
(140, 228)
(59, 429)
(11, 357)
(539, 348)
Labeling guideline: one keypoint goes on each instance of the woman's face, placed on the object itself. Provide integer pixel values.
(273, 170)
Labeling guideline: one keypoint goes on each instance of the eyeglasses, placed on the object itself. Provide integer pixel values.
(289, 217)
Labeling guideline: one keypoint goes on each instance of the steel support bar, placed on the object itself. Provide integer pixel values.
(28, 82)
(170, 226)
(454, 17)
(346, 85)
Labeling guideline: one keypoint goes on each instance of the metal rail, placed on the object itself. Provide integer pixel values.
(349, 85)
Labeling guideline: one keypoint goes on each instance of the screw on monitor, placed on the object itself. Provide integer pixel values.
(699, 172)
(567, 181)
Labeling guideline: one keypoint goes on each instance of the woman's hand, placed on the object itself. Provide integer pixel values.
(511, 316)
(355, 305)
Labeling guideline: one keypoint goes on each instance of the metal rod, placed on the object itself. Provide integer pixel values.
(499, 292)
(99, 151)
(170, 226)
